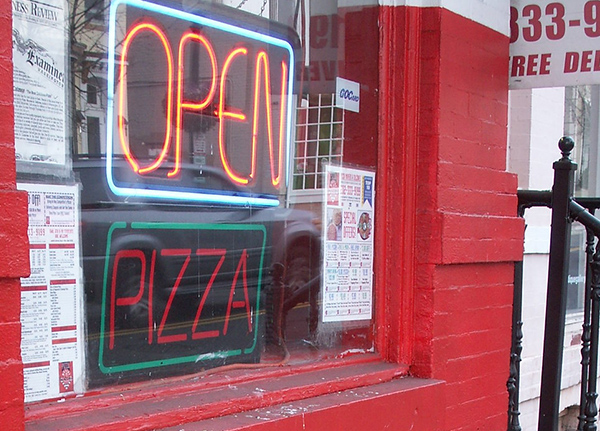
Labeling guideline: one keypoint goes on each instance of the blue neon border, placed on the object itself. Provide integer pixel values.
(211, 198)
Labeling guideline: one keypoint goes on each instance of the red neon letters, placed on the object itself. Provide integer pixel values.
(261, 105)
(145, 292)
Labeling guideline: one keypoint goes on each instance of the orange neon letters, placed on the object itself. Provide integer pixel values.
(123, 84)
(234, 115)
(261, 60)
(282, 130)
(262, 82)
(181, 104)
(262, 63)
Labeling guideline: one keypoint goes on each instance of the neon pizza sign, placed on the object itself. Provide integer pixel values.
(192, 298)
(193, 92)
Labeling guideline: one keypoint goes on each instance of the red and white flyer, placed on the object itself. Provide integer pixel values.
(348, 215)
(52, 338)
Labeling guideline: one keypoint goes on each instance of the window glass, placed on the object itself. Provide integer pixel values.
(577, 265)
(216, 145)
(578, 124)
(582, 104)
(93, 135)
(93, 10)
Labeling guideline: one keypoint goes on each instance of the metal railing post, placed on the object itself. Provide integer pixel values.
(513, 382)
(586, 334)
(591, 409)
(556, 302)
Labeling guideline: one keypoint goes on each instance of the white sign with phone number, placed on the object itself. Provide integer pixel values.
(554, 43)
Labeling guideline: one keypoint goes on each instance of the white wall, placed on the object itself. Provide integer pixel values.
(536, 119)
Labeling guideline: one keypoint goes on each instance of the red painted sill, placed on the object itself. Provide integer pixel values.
(193, 398)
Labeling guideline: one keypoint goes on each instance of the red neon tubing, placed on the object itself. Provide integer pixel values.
(181, 105)
(262, 60)
(237, 116)
(123, 83)
(282, 129)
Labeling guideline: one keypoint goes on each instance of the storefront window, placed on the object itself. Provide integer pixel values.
(218, 195)
(577, 264)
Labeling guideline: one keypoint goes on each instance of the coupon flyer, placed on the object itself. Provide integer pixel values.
(348, 215)
(52, 334)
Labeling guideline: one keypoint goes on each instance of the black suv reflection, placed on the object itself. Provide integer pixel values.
(175, 287)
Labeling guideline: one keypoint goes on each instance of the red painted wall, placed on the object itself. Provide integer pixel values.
(361, 42)
(447, 237)
(14, 246)
(468, 232)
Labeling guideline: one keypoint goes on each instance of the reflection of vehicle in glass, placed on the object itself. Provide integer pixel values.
(174, 287)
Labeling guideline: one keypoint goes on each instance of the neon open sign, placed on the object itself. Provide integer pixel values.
(188, 91)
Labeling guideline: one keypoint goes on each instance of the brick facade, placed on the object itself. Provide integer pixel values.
(469, 234)
(447, 239)
(14, 246)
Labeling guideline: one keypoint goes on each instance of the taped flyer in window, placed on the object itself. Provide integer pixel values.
(52, 334)
(348, 220)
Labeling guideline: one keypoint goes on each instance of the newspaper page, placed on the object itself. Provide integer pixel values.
(38, 35)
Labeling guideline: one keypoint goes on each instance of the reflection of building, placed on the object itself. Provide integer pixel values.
(93, 104)
(326, 133)
(89, 72)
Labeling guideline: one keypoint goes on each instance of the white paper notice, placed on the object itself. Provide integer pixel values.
(52, 345)
(348, 214)
(39, 35)
(347, 94)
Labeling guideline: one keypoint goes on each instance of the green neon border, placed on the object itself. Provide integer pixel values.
(183, 359)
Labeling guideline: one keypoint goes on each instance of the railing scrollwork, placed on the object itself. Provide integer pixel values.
(565, 210)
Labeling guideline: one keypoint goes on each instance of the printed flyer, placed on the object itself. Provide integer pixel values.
(348, 214)
(38, 36)
(52, 337)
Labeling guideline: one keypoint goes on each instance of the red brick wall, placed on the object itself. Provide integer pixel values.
(14, 250)
(447, 233)
(468, 233)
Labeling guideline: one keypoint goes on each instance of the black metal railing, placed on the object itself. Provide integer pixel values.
(565, 210)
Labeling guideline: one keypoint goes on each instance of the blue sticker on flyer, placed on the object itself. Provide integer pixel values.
(368, 190)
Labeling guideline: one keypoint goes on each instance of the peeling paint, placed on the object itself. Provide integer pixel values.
(213, 355)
